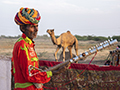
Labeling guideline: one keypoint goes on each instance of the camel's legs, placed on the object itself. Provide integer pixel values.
(63, 54)
(76, 51)
(56, 53)
(70, 50)
(76, 47)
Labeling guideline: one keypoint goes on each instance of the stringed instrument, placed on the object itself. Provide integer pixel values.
(92, 50)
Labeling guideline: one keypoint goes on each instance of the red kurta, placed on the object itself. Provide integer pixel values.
(24, 55)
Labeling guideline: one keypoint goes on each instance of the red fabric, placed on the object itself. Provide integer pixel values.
(21, 63)
(80, 66)
(84, 76)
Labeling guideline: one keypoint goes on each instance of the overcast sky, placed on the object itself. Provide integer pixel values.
(81, 17)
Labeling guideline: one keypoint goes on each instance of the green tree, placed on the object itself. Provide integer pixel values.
(116, 37)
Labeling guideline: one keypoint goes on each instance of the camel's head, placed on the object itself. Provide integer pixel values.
(50, 31)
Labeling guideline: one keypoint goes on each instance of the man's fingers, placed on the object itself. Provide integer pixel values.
(62, 69)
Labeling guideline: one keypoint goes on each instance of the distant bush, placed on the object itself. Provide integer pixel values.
(80, 38)
(56, 36)
(83, 38)
(100, 38)
(3, 36)
(116, 37)
(43, 37)
(95, 38)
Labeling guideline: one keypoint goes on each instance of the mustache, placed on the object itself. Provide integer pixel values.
(35, 32)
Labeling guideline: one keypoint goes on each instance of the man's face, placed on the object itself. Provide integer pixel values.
(31, 31)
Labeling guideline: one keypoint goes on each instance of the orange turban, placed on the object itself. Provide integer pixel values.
(27, 16)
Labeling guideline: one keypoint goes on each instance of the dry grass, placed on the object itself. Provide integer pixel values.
(45, 48)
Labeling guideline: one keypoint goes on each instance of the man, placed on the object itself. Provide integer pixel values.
(24, 53)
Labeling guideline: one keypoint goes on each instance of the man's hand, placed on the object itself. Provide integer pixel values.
(43, 68)
(61, 69)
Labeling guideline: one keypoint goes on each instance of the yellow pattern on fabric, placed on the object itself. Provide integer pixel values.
(19, 39)
(35, 13)
(22, 85)
(21, 8)
(28, 40)
(29, 11)
(26, 50)
(49, 73)
(34, 59)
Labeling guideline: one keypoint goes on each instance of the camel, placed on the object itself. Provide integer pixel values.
(65, 40)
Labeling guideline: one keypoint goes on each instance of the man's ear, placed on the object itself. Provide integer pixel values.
(22, 28)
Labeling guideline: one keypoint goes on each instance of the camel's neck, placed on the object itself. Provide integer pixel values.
(53, 38)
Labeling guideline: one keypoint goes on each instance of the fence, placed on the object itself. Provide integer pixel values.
(5, 74)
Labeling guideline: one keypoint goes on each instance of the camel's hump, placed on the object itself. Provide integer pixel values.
(68, 31)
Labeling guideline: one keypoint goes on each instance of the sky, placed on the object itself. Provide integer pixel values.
(80, 17)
